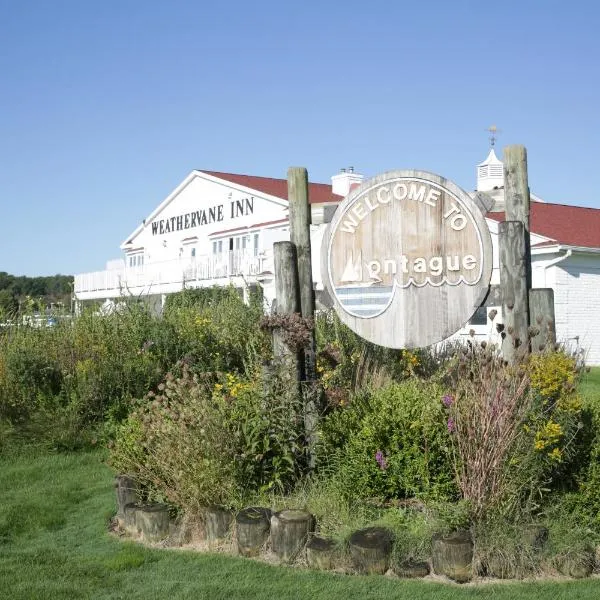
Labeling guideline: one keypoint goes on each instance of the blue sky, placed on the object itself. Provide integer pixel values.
(106, 106)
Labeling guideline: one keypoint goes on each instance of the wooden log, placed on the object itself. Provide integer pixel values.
(289, 531)
(411, 569)
(129, 519)
(252, 526)
(517, 197)
(534, 537)
(300, 219)
(452, 555)
(577, 564)
(515, 297)
(543, 322)
(288, 299)
(322, 553)
(371, 549)
(218, 522)
(127, 491)
(152, 521)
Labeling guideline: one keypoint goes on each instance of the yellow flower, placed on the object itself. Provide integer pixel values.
(555, 455)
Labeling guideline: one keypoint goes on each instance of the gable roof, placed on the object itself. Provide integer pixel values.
(568, 225)
(318, 193)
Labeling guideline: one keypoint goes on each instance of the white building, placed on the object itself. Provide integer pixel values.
(219, 229)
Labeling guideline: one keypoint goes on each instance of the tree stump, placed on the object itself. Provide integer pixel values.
(127, 492)
(452, 555)
(129, 518)
(152, 521)
(321, 553)
(289, 531)
(371, 549)
(252, 527)
(411, 569)
(535, 537)
(577, 564)
(218, 522)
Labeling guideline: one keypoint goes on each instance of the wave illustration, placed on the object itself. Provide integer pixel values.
(365, 300)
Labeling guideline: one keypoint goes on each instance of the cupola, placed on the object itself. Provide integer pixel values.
(490, 173)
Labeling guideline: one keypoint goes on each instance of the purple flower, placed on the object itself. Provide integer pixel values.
(448, 400)
(451, 425)
(381, 460)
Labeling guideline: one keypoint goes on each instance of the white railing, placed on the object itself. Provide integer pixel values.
(178, 271)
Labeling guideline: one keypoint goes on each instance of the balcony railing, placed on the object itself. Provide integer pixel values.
(179, 271)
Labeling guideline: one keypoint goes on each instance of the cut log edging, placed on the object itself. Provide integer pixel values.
(292, 536)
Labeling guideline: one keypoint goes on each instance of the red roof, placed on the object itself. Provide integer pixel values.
(317, 192)
(568, 225)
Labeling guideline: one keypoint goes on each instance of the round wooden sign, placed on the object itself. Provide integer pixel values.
(407, 259)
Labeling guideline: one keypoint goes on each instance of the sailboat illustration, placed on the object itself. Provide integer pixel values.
(361, 298)
(353, 270)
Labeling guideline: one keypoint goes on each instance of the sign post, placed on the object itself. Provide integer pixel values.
(407, 259)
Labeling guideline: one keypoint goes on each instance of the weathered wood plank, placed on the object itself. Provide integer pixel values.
(515, 299)
(543, 327)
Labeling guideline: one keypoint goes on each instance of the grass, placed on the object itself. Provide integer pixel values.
(590, 384)
(54, 544)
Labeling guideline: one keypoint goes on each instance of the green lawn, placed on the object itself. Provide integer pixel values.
(54, 512)
(590, 384)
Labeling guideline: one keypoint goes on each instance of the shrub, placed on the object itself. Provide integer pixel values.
(84, 373)
(390, 443)
(213, 439)
(513, 427)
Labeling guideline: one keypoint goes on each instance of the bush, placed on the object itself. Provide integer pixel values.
(83, 374)
(391, 443)
(514, 428)
(213, 439)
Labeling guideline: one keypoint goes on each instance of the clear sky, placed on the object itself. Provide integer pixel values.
(106, 105)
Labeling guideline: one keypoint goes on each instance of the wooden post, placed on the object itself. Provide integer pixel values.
(300, 218)
(515, 254)
(516, 194)
(288, 299)
(300, 236)
(541, 311)
(513, 281)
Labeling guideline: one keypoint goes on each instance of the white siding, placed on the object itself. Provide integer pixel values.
(577, 306)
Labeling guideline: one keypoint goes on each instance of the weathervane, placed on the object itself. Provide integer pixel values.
(494, 131)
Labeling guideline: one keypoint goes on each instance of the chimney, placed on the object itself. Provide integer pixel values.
(344, 181)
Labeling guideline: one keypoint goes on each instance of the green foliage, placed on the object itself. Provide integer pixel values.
(64, 384)
(515, 429)
(391, 443)
(20, 294)
(346, 363)
(207, 439)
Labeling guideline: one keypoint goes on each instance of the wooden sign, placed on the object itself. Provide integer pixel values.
(407, 259)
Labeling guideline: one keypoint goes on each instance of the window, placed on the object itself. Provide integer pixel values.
(255, 244)
(479, 317)
(193, 252)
